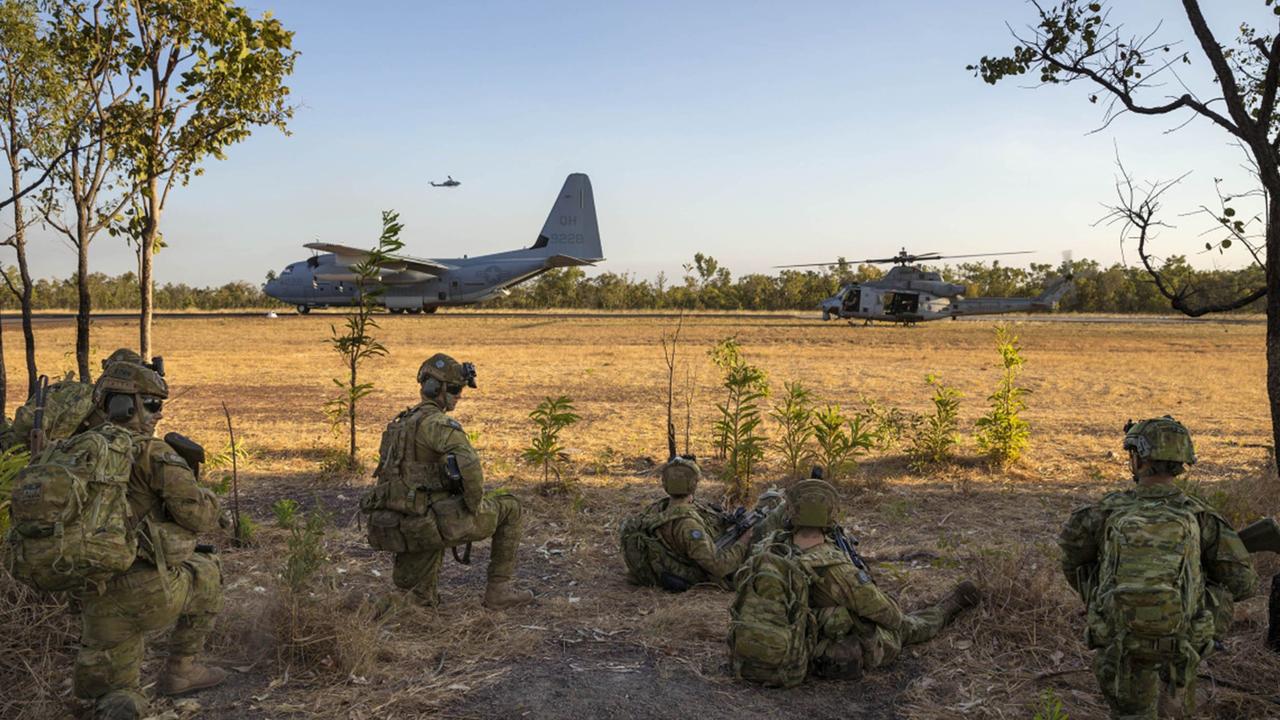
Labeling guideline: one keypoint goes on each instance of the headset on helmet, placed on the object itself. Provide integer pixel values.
(680, 475)
(123, 383)
(441, 371)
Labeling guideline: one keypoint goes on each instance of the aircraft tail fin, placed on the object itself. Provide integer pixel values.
(571, 228)
(1055, 291)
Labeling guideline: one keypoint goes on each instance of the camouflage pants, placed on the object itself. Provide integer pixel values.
(1136, 692)
(139, 602)
(498, 518)
(867, 646)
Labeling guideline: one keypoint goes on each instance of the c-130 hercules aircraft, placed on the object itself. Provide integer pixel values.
(910, 294)
(570, 237)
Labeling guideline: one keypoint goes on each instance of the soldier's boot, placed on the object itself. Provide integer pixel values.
(962, 597)
(500, 594)
(182, 674)
(120, 705)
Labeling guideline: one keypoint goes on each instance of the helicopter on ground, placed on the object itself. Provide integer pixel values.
(909, 294)
(447, 183)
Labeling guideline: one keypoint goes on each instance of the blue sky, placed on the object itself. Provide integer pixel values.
(757, 132)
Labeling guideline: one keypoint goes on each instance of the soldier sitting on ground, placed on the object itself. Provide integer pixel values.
(803, 606)
(672, 543)
(430, 494)
(1157, 570)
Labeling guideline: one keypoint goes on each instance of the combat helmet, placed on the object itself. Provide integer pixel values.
(128, 382)
(1160, 439)
(446, 372)
(811, 503)
(122, 355)
(680, 475)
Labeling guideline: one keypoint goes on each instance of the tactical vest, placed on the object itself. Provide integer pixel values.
(647, 557)
(406, 481)
(161, 541)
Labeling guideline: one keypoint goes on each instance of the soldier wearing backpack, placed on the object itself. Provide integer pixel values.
(1157, 570)
(802, 605)
(672, 543)
(127, 549)
(430, 494)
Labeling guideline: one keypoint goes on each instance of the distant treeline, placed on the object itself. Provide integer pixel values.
(707, 285)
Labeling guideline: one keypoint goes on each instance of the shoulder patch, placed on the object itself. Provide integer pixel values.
(863, 577)
(453, 424)
(696, 534)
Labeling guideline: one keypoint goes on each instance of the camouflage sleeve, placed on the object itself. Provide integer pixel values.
(854, 590)
(445, 436)
(695, 542)
(1079, 544)
(1224, 557)
(185, 501)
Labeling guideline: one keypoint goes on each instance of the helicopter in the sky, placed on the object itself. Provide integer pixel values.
(909, 294)
(447, 183)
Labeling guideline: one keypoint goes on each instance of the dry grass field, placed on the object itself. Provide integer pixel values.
(592, 646)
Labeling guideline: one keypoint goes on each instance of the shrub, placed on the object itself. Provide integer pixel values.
(937, 434)
(285, 511)
(1002, 433)
(888, 424)
(1050, 707)
(794, 415)
(550, 417)
(11, 461)
(305, 550)
(725, 355)
(248, 529)
(739, 425)
(840, 438)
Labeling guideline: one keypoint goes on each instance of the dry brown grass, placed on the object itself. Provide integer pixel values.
(926, 531)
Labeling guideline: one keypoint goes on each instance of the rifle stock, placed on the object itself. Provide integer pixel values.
(36, 438)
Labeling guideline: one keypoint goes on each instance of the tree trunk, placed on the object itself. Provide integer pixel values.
(83, 309)
(28, 334)
(351, 415)
(145, 248)
(1273, 322)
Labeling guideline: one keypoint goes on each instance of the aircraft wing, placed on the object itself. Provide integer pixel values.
(349, 256)
(562, 261)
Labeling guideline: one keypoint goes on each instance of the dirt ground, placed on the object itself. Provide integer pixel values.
(593, 646)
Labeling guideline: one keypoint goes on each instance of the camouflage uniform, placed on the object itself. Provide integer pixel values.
(687, 533)
(418, 510)
(1132, 688)
(856, 618)
(169, 585)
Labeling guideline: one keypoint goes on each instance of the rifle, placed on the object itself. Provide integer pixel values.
(36, 438)
(742, 521)
(849, 545)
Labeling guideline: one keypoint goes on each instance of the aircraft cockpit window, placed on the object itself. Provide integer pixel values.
(287, 270)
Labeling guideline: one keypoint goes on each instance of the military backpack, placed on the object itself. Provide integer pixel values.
(772, 632)
(70, 520)
(649, 561)
(1148, 602)
(67, 405)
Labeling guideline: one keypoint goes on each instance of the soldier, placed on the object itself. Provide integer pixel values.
(1157, 570)
(171, 584)
(672, 543)
(430, 494)
(858, 626)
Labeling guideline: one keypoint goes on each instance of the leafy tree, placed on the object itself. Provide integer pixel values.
(550, 417)
(356, 343)
(1002, 433)
(211, 73)
(725, 355)
(1076, 41)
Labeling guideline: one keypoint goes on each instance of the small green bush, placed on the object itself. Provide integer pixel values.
(285, 511)
(1002, 433)
(306, 553)
(550, 417)
(794, 415)
(888, 424)
(937, 434)
(248, 529)
(1050, 707)
(739, 424)
(11, 461)
(840, 438)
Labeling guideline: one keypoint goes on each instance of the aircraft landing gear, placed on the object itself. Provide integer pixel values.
(303, 309)
(414, 311)
(395, 311)
(431, 310)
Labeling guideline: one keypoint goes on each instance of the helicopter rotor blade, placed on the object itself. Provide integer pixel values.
(904, 258)
(952, 257)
